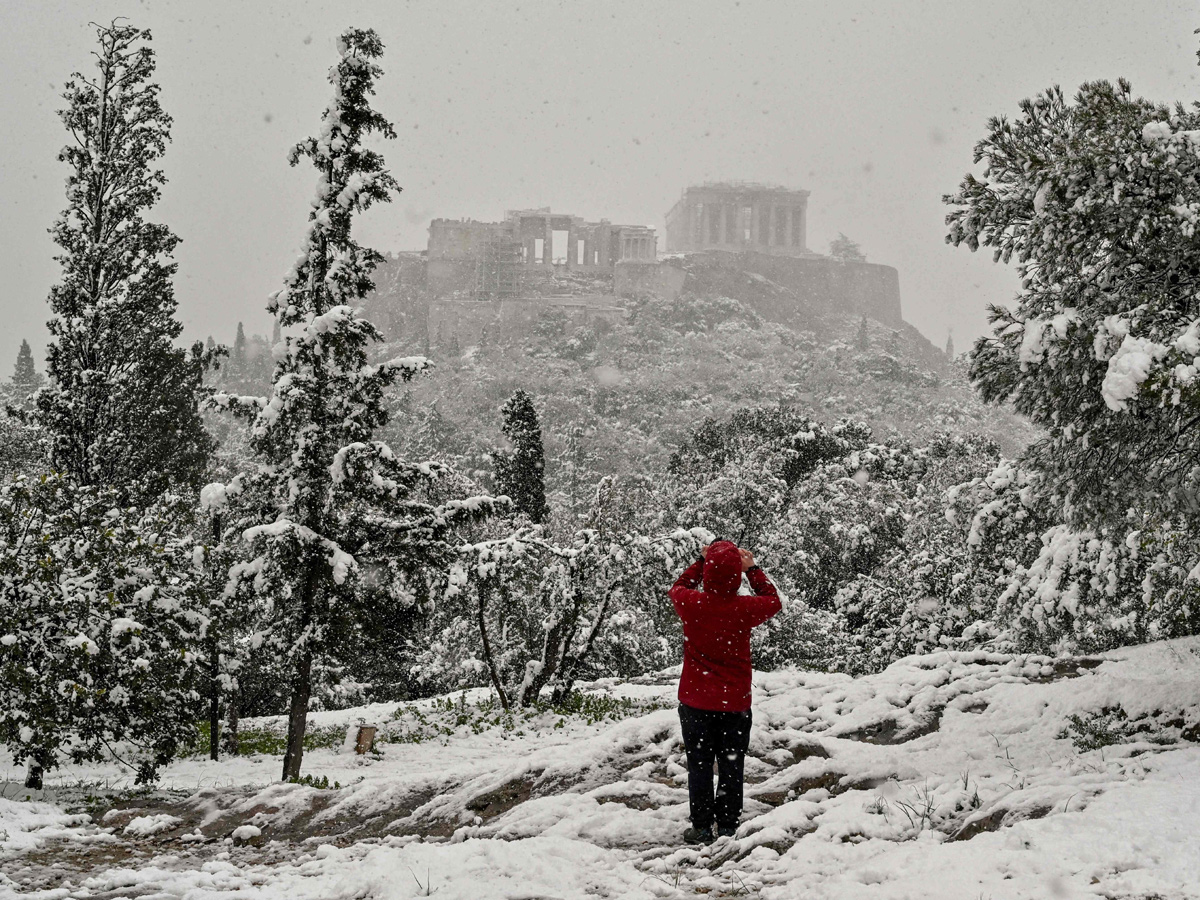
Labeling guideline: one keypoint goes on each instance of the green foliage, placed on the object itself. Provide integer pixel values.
(925, 594)
(1112, 725)
(101, 610)
(121, 408)
(1094, 198)
(520, 472)
(444, 716)
(22, 447)
(1095, 730)
(524, 611)
(262, 740)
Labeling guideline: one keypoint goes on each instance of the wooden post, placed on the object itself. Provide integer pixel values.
(365, 740)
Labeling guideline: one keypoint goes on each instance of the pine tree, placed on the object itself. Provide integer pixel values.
(1096, 198)
(950, 344)
(238, 357)
(276, 334)
(842, 247)
(863, 340)
(520, 473)
(576, 467)
(326, 497)
(121, 407)
(25, 378)
(435, 434)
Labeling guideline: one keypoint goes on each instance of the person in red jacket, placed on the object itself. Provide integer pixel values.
(714, 689)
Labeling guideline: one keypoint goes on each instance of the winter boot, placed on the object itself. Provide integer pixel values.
(696, 835)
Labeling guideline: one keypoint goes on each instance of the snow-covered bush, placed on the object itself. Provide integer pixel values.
(819, 506)
(1086, 589)
(22, 447)
(692, 313)
(100, 618)
(524, 612)
(987, 562)
(1090, 538)
(929, 587)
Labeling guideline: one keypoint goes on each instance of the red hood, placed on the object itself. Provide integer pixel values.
(722, 569)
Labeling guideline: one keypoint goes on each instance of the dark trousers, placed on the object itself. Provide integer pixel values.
(709, 735)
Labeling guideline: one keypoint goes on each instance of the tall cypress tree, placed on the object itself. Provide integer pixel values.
(326, 497)
(25, 376)
(862, 340)
(121, 407)
(520, 473)
(239, 348)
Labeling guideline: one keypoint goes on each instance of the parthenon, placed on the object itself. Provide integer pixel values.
(495, 254)
(739, 216)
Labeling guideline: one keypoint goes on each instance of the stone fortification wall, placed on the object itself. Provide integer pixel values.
(834, 285)
(467, 320)
(810, 284)
(634, 279)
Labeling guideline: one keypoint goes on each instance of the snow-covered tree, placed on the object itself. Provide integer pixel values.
(100, 610)
(862, 340)
(22, 446)
(521, 472)
(929, 588)
(435, 435)
(338, 528)
(950, 345)
(1096, 199)
(121, 408)
(22, 442)
(841, 247)
(523, 613)
(25, 379)
(575, 469)
(237, 356)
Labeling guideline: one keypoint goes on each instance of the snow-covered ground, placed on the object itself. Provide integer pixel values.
(956, 775)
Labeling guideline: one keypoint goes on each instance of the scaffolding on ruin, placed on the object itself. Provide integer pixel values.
(499, 269)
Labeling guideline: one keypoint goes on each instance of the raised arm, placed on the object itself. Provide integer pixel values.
(683, 593)
(764, 603)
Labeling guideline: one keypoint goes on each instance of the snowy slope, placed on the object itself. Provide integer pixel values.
(946, 776)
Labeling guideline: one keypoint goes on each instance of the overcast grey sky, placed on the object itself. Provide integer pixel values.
(600, 109)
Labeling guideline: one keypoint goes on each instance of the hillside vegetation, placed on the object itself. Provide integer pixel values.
(623, 396)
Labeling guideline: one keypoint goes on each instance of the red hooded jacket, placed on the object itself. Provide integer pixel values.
(716, 628)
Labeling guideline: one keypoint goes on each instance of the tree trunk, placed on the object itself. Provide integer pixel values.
(487, 648)
(214, 698)
(302, 677)
(229, 739)
(551, 653)
(298, 716)
(565, 679)
(33, 775)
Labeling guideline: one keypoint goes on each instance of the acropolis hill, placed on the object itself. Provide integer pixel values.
(479, 275)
